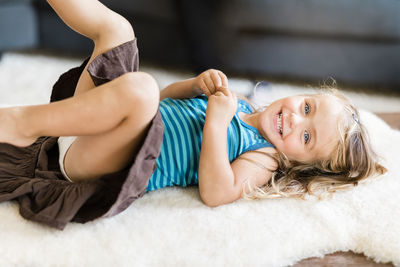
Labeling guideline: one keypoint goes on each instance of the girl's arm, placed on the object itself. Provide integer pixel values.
(216, 176)
(206, 83)
(215, 173)
(221, 182)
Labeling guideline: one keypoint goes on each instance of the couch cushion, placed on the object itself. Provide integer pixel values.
(18, 27)
(13, 2)
(356, 18)
(351, 62)
(164, 10)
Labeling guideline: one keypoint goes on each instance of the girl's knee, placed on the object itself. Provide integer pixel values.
(117, 30)
(123, 27)
(141, 85)
(141, 89)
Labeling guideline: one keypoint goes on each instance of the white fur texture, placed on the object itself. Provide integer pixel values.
(171, 227)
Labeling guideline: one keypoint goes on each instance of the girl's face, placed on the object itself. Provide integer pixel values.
(304, 128)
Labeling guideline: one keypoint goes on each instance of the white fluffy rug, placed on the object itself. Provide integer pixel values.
(172, 227)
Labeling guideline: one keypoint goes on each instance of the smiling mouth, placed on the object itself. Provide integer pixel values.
(279, 123)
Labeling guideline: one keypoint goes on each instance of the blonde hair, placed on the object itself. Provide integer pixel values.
(352, 162)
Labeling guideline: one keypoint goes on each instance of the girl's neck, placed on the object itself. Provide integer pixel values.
(253, 120)
(250, 119)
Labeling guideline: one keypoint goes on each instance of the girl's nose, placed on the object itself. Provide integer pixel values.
(294, 120)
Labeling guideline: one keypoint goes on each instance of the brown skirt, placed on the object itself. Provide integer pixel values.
(31, 175)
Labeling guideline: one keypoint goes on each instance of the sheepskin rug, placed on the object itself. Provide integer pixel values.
(171, 227)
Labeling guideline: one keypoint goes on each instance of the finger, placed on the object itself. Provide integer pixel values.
(208, 82)
(231, 94)
(224, 90)
(204, 88)
(216, 79)
(224, 79)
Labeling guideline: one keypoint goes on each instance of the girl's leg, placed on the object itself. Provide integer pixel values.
(98, 153)
(94, 155)
(110, 123)
(92, 19)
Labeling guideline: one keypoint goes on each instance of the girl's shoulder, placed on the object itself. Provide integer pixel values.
(261, 156)
(255, 167)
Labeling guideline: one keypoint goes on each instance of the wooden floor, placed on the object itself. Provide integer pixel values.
(393, 119)
(341, 259)
(349, 258)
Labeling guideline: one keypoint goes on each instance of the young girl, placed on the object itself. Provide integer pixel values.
(120, 137)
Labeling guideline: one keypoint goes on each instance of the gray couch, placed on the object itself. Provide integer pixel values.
(354, 41)
(18, 24)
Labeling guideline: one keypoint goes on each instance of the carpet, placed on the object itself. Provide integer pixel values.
(172, 227)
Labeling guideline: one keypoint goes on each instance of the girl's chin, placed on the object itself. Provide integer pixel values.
(272, 140)
(276, 144)
(276, 141)
(266, 137)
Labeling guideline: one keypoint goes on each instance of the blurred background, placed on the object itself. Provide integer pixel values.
(357, 42)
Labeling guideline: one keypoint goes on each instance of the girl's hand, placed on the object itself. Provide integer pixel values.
(209, 82)
(221, 106)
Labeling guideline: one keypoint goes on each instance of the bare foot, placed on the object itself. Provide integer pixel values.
(10, 131)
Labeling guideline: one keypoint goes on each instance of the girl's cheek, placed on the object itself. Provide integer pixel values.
(290, 144)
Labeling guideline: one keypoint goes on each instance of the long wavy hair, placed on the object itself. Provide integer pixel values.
(351, 163)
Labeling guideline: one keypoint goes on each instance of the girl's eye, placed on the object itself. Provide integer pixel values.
(306, 137)
(307, 108)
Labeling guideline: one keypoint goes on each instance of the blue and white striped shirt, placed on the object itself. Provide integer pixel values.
(183, 120)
